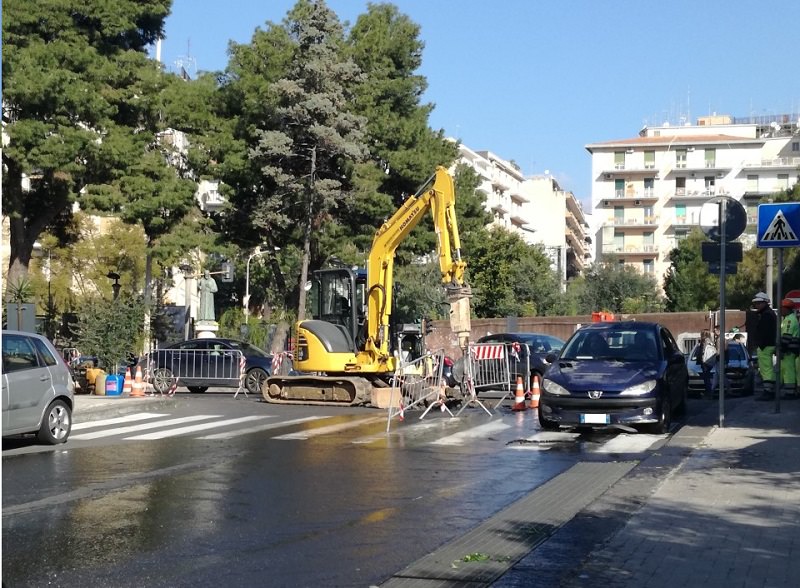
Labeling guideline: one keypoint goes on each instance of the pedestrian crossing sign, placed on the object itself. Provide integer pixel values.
(778, 224)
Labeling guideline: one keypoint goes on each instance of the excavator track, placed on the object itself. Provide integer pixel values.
(317, 390)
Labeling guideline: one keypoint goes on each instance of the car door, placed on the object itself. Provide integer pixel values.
(224, 364)
(27, 384)
(676, 374)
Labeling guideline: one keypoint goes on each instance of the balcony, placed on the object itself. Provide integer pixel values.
(778, 162)
(632, 223)
(631, 196)
(632, 249)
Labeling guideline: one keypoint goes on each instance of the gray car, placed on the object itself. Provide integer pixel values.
(37, 388)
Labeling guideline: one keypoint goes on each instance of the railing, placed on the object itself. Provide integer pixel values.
(776, 162)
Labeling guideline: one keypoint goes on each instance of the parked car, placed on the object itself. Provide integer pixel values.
(517, 346)
(740, 371)
(38, 390)
(615, 374)
(199, 364)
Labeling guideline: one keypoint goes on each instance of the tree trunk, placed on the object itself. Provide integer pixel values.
(301, 305)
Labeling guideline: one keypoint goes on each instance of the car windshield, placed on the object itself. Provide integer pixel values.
(542, 343)
(612, 344)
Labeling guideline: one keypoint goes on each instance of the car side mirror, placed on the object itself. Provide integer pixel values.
(550, 357)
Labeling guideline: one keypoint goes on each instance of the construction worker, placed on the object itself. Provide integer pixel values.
(764, 342)
(790, 342)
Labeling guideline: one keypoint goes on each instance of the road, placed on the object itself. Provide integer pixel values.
(216, 491)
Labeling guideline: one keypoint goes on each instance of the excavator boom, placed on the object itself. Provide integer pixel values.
(347, 365)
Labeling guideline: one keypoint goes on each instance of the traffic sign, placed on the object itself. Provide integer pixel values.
(711, 218)
(714, 268)
(711, 252)
(778, 224)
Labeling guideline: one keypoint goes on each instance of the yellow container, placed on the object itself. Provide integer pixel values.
(100, 384)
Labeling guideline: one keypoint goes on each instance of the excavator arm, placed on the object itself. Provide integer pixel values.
(438, 196)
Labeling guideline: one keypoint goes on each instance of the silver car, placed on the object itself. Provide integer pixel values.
(37, 388)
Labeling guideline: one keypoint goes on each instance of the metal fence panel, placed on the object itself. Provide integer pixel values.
(166, 369)
(417, 384)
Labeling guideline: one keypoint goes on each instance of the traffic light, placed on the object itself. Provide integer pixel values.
(227, 271)
(427, 326)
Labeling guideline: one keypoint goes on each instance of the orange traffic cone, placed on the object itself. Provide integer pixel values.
(137, 390)
(519, 396)
(127, 386)
(535, 393)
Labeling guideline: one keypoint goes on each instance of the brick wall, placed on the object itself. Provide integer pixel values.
(680, 324)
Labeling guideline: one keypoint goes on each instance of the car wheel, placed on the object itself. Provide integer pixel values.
(197, 389)
(664, 419)
(56, 424)
(546, 423)
(254, 380)
(162, 380)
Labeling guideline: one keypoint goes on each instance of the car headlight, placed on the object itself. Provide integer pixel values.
(639, 389)
(552, 388)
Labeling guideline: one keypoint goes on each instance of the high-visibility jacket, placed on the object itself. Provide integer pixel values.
(790, 334)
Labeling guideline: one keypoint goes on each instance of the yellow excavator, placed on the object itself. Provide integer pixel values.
(344, 350)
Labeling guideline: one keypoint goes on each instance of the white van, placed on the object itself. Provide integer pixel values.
(37, 388)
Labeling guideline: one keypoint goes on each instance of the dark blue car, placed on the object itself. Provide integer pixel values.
(620, 374)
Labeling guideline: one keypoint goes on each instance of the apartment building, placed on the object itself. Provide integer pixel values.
(647, 190)
(535, 207)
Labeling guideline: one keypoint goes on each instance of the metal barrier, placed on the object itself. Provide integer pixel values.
(165, 368)
(486, 368)
(416, 384)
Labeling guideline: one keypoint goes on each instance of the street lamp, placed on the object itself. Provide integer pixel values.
(115, 286)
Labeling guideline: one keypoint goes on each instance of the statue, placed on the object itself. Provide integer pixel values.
(207, 287)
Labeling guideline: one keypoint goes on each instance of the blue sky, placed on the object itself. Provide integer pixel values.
(534, 81)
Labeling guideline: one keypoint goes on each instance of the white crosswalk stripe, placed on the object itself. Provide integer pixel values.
(307, 434)
(143, 427)
(139, 416)
(194, 428)
(259, 428)
(479, 431)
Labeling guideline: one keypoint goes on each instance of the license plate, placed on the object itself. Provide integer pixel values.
(595, 419)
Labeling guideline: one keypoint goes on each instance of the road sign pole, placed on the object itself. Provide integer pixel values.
(779, 319)
(721, 344)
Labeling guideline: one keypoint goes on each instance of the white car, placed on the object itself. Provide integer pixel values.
(38, 389)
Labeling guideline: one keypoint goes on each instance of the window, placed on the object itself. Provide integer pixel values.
(680, 158)
(648, 238)
(649, 186)
(752, 183)
(619, 160)
(44, 352)
(711, 158)
(680, 213)
(795, 145)
(680, 186)
(783, 181)
(619, 188)
(619, 241)
(649, 159)
(18, 354)
(648, 266)
(619, 215)
(649, 217)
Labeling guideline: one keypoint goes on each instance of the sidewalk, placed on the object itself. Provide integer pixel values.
(90, 407)
(728, 516)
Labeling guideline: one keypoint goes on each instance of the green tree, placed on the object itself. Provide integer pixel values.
(76, 88)
(110, 329)
(510, 277)
(310, 148)
(688, 286)
(612, 287)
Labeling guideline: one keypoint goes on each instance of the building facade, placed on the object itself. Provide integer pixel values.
(536, 208)
(647, 191)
